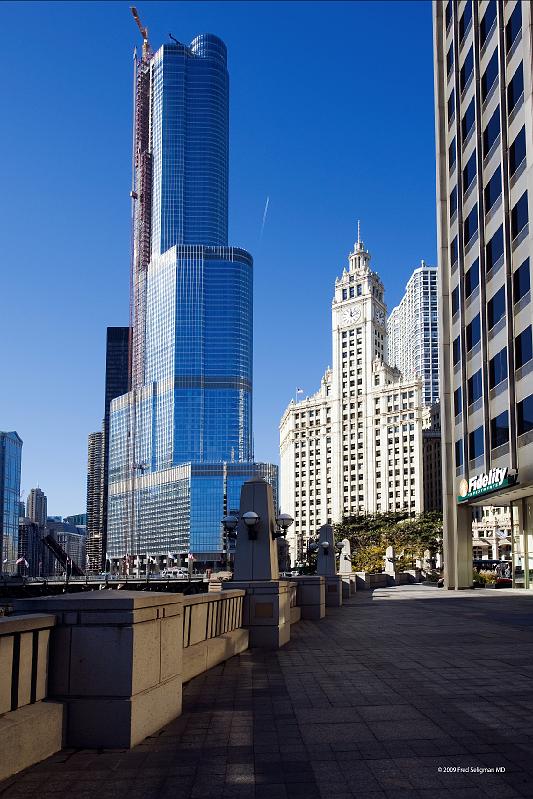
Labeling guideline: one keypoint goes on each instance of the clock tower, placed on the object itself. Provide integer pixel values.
(355, 445)
(358, 324)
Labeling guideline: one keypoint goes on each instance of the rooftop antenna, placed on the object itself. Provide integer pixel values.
(173, 38)
(359, 231)
(147, 50)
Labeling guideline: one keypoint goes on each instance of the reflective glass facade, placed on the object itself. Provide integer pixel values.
(10, 460)
(190, 400)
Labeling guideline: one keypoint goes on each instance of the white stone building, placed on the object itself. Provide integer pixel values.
(356, 445)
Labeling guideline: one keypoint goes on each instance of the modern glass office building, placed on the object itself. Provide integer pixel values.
(10, 461)
(484, 112)
(181, 438)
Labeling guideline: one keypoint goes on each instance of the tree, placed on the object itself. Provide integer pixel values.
(370, 534)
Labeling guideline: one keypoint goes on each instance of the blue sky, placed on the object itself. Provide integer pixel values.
(331, 118)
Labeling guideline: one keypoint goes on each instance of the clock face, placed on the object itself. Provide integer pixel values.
(351, 315)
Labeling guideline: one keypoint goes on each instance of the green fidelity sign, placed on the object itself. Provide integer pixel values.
(485, 483)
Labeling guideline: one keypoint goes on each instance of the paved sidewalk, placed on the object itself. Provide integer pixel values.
(383, 699)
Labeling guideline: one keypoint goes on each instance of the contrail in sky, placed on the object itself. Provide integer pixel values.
(264, 217)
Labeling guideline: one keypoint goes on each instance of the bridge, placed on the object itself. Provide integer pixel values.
(19, 587)
(270, 687)
(406, 692)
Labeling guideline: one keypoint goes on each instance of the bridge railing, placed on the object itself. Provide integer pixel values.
(212, 630)
(30, 730)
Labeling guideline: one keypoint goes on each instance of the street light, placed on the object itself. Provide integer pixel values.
(251, 520)
(283, 521)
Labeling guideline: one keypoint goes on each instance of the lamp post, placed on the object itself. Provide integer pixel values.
(229, 524)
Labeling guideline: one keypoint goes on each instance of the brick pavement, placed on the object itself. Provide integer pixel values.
(370, 702)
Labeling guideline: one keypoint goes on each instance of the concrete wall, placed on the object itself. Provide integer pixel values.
(30, 728)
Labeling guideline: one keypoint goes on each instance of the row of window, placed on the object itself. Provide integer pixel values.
(351, 292)
(495, 246)
(523, 351)
(496, 305)
(499, 431)
(512, 29)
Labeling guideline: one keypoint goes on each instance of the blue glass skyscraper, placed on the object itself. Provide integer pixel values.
(181, 438)
(10, 461)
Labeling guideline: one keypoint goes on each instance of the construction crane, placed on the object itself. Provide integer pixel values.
(147, 50)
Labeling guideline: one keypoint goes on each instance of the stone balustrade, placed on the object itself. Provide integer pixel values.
(212, 630)
(30, 728)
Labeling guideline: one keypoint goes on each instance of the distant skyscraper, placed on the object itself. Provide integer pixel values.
(117, 370)
(189, 408)
(10, 461)
(483, 62)
(94, 502)
(78, 519)
(356, 445)
(36, 506)
(412, 332)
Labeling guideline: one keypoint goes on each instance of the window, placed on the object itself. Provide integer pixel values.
(465, 21)
(513, 27)
(515, 88)
(470, 225)
(473, 333)
(493, 189)
(487, 22)
(475, 387)
(499, 430)
(345, 294)
(476, 444)
(458, 401)
(452, 154)
(496, 307)
(453, 201)
(494, 249)
(521, 280)
(523, 347)
(472, 278)
(517, 151)
(468, 120)
(451, 106)
(466, 70)
(519, 216)
(459, 453)
(455, 300)
(359, 289)
(469, 172)
(524, 415)
(498, 368)
(491, 132)
(456, 350)
(489, 76)
(453, 251)
(449, 59)
(448, 13)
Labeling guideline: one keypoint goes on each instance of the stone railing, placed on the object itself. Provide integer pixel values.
(30, 729)
(212, 630)
(118, 661)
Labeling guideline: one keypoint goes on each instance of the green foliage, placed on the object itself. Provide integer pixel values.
(484, 577)
(310, 566)
(370, 534)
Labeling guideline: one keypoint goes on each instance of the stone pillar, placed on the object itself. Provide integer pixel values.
(327, 566)
(116, 662)
(463, 547)
(345, 563)
(390, 562)
(266, 612)
(311, 595)
(345, 570)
